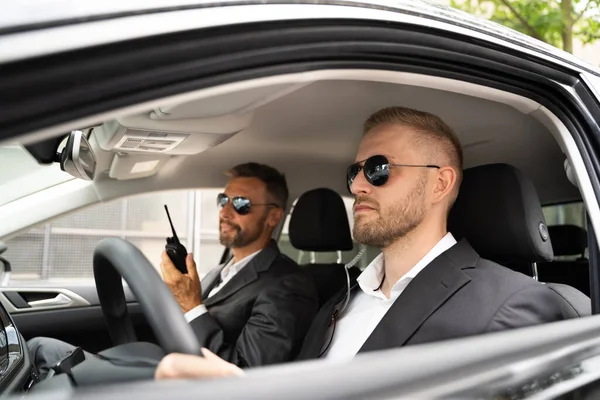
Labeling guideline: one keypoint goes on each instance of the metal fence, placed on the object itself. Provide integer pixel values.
(63, 248)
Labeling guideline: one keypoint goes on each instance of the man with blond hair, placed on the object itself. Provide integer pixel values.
(424, 286)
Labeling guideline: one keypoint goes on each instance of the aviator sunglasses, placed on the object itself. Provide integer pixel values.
(376, 170)
(241, 205)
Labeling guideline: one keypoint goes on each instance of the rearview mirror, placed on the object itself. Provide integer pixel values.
(77, 158)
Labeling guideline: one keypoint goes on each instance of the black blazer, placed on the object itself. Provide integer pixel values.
(458, 294)
(262, 314)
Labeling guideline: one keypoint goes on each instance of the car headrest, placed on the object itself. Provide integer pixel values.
(498, 211)
(568, 240)
(319, 222)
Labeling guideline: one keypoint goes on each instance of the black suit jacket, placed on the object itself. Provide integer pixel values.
(458, 294)
(262, 314)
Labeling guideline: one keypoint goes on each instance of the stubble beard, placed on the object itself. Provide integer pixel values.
(394, 223)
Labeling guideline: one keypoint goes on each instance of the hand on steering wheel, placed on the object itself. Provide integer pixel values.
(115, 258)
(184, 366)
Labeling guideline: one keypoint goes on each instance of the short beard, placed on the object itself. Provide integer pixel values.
(241, 238)
(401, 219)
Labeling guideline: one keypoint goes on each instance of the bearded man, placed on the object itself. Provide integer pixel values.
(256, 308)
(425, 286)
(253, 310)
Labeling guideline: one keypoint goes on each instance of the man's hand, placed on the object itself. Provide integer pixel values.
(185, 287)
(184, 366)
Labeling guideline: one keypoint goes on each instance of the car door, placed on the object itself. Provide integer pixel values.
(66, 312)
(589, 91)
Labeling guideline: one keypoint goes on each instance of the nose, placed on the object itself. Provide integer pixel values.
(360, 185)
(227, 212)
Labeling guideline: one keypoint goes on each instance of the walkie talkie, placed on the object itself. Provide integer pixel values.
(175, 250)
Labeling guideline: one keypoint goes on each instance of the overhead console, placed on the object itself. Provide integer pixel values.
(143, 144)
(143, 134)
(144, 141)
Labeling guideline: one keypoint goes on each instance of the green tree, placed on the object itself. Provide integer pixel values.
(556, 22)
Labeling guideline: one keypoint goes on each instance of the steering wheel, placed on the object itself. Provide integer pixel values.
(116, 258)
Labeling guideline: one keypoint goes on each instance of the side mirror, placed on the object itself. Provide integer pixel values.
(77, 158)
(7, 267)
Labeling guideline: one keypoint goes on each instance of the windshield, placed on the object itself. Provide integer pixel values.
(21, 175)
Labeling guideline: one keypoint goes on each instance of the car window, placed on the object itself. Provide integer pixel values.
(62, 250)
(21, 175)
(303, 257)
(566, 214)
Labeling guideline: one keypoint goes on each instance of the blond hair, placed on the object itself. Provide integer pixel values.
(431, 130)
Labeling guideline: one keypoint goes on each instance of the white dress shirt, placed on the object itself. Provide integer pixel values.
(366, 309)
(228, 272)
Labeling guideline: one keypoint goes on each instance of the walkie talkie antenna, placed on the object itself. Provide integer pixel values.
(171, 223)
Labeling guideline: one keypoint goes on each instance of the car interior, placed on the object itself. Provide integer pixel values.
(319, 223)
(518, 158)
(499, 213)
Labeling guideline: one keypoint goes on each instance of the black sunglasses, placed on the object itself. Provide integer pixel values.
(376, 170)
(241, 205)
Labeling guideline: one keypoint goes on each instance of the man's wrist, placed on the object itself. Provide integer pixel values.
(191, 305)
(195, 312)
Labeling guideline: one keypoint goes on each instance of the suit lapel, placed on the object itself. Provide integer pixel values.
(260, 263)
(320, 331)
(422, 297)
(212, 279)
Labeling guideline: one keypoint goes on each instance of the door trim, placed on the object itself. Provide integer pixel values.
(64, 299)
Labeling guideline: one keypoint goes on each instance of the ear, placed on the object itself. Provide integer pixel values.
(444, 184)
(275, 217)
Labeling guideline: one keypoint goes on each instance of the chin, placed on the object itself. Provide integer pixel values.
(226, 241)
(363, 221)
(360, 232)
(360, 217)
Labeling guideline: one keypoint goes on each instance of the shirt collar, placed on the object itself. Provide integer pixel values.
(370, 279)
(231, 268)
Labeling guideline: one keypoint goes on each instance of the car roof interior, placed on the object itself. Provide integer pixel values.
(308, 125)
(310, 130)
